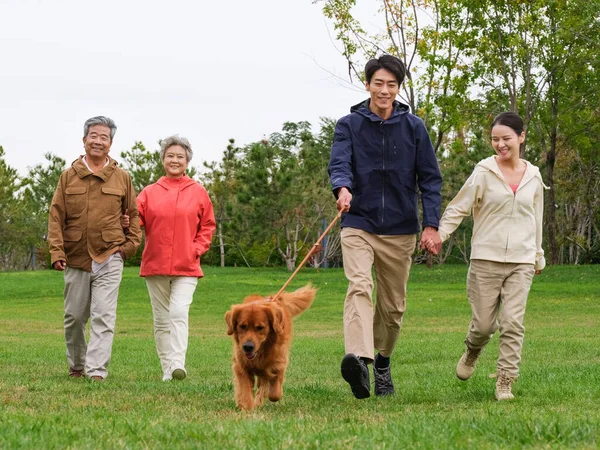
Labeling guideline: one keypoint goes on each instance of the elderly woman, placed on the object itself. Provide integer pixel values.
(177, 215)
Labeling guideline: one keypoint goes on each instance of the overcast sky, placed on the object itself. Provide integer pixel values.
(207, 70)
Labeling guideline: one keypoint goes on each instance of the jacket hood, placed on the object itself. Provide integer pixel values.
(179, 183)
(492, 165)
(363, 109)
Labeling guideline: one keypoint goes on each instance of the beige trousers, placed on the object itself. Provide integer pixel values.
(365, 328)
(498, 293)
(91, 296)
(171, 298)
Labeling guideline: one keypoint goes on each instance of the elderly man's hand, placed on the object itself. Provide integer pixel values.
(125, 220)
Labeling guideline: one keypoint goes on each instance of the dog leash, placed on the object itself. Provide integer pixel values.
(315, 248)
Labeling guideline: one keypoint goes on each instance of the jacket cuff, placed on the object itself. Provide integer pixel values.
(443, 235)
(540, 263)
(128, 249)
(199, 250)
(57, 257)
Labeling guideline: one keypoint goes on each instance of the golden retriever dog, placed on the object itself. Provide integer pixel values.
(262, 334)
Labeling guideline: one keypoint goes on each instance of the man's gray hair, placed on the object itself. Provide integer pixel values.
(100, 120)
(176, 140)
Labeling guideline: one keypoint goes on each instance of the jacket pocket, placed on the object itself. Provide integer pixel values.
(113, 236)
(111, 200)
(75, 201)
(366, 195)
(71, 238)
(72, 235)
(403, 196)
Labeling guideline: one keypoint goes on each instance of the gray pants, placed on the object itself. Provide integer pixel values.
(91, 295)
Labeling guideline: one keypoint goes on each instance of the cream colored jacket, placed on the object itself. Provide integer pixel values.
(507, 226)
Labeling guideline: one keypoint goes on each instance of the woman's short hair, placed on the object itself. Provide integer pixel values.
(176, 140)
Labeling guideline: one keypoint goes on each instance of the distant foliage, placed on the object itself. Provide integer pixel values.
(468, 60)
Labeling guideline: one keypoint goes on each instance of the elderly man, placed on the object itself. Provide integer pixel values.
(87, 242)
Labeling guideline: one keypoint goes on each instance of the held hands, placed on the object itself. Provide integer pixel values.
(431, 241)
(343, 200)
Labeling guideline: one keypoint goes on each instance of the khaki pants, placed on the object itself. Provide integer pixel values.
(498, 295)
(171, 298)
(365, 329)
(91, 295)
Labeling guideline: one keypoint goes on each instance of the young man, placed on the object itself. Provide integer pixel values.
(381, 156)
(87, 241)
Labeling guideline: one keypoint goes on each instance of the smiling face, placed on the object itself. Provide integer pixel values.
(175, 161)
(506, 142)
(383, 88)
(97, 142)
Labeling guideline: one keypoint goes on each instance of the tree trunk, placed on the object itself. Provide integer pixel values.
(221, 244)
(550, 162)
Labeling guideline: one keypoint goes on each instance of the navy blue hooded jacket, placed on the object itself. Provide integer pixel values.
(382, 162)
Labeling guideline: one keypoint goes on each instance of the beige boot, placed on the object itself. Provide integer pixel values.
(466, 364)
(504, 383)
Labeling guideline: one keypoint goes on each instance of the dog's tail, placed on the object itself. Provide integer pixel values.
(300, 300)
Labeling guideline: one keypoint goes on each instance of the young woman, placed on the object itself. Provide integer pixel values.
(177, 215)
(506, 196)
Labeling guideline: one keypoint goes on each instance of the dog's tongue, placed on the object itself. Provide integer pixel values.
(250, 355)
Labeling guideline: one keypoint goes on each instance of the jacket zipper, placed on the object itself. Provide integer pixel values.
(512, 211)
(383, 177)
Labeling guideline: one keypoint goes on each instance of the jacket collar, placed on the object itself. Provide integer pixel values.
(531, 171)
(170, 183)
(362, 108)
(105, 173)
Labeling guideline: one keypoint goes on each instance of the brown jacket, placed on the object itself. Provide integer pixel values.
(85, 215)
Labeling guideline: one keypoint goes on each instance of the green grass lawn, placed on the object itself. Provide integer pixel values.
(557, 401)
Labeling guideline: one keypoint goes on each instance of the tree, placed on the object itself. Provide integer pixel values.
(145, 167)
(12, 218)
(477, 58)
(221, 183)
(38, 189)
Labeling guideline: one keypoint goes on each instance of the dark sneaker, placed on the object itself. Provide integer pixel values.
(356, 373)
(179, 374)
(383, 380)
(74, 373)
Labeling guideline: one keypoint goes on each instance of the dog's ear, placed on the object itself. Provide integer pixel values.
(231, 320)
(276, 319)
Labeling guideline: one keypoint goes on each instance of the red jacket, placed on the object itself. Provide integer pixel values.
(178, 218)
